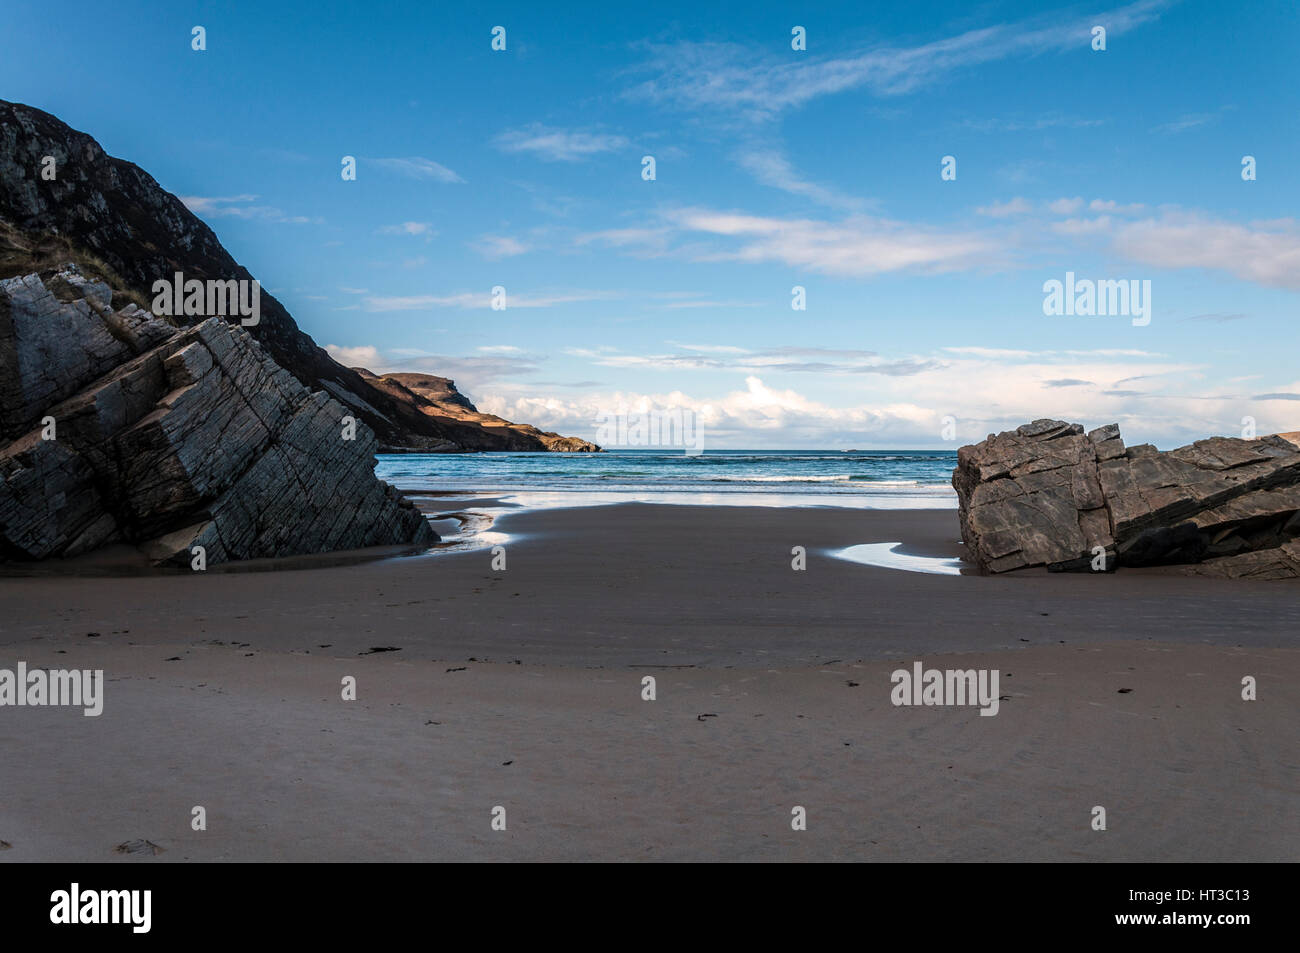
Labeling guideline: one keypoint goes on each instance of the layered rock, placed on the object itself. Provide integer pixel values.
(116, 426)
(1282, 562)
(1047, 494)
(115, 211)
(438, 398)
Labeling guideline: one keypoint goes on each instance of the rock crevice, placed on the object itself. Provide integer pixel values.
(1047, 494)
(118, 427)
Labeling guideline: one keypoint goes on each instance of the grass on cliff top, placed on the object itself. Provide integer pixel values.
(25, 253)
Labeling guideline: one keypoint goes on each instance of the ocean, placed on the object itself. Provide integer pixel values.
(883, 479)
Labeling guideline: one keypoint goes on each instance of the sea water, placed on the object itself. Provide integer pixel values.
(878, 479)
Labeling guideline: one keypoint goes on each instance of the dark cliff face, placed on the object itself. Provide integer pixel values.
(115, 210)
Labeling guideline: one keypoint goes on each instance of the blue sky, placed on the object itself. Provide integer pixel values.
(775, 168)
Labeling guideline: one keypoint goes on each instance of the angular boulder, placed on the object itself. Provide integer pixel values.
(118, 427)
(1048, 494)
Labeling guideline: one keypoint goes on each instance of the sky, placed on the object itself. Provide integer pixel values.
(774, 168)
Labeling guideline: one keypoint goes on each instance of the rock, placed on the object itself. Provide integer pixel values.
(114, 213)
(1045, 494)
(1281, 562)
(172, 438)
(438, 399)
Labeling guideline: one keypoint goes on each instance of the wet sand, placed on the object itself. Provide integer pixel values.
(224, 691)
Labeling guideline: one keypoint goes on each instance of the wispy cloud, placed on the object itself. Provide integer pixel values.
(1031, 125)
(1082, 226)
(730, 77)
(418, 167)
(558, 145)
(1220, 317)
(1183, 123)
(856, 246)
(482, 299)
(408, 228)
(995, 352)
(214, 205)
(499, 246)
(1016, 206)
(1110, 205)
(770, 167)
(1065, 206)
(647, 241)
(239, 206)
(792, 359)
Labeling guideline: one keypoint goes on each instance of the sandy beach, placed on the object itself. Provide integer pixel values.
(523, 689)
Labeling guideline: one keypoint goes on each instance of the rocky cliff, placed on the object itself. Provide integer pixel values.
(1047, 494)
(115, 211)
(116, 426)
(437, 398)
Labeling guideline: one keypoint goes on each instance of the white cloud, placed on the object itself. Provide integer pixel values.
(499, 246)
(859, 245)
(773, 169)
(366, 356)
(237, 206)
(651, 241)
(731, 77)
(1267, 253)
(1065, 206)
(558, 145)
(418, 167)
(482, 299)
(214, 205)
(1031, 125)
(1016, 206)
(712, 348)
(408, 228)
(791, 360)
(985, 389)
(989, 352)
(677, 300)
(1110, 205)
(1183, 123)
(1082, 226)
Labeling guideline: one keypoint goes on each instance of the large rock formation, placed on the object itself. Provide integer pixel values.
(1047, 494)
(115, 211)
(438, 398)
(116, 426)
